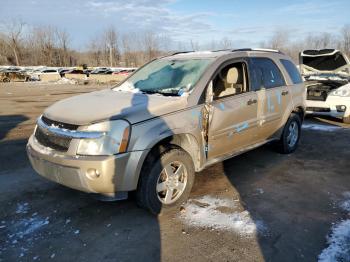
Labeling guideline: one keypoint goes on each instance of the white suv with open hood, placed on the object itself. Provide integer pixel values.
(327, 76)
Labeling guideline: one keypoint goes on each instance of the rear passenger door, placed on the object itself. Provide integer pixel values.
(273, 95)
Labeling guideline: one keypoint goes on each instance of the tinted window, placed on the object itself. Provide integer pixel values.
(265, 74)
(292, 71)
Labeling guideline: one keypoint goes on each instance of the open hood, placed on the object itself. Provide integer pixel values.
(325, 61)
(106, 104)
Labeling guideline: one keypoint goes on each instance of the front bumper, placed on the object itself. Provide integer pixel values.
(329, 105)
(117, 173)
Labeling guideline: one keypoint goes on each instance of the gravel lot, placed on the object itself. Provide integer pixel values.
(260, 206)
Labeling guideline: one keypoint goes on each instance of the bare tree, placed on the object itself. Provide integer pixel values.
(194, 45)
(63, 46)
(13, 33)
(226, 43)
(111, 46)
(345, 39)
(151, 45)
(279, 40)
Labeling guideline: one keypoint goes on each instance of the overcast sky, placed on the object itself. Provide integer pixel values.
(247, 22)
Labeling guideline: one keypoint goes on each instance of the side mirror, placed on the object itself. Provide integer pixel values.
(210, 94)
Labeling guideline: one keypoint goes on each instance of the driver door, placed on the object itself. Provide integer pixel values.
(232, 124)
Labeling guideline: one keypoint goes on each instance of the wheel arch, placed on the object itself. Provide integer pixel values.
(184, 141)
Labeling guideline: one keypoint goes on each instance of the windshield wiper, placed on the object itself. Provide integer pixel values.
(159, 91)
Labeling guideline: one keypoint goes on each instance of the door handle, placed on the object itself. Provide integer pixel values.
(252, 101)
(284, 93)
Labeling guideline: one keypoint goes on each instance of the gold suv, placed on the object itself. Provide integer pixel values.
(171, 118)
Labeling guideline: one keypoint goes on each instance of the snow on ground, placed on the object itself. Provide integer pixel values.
(319, 127)
(28, 226)
(339, 239)
(345, 204)
(64, 80)
(220, 214)
(22, 208)
(339, 244)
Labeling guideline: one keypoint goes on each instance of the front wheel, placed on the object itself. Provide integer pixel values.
(165, 181)
(291, 134)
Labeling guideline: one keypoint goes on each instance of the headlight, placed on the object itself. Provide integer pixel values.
(340, 92)
(114, 139)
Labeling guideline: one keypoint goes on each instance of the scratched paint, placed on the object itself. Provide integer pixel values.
(270, 106)
(279, 97)
(242, 127)
(197, 116)
(230, 134)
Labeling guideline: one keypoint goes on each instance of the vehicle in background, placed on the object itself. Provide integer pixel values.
(327, 74)
(14, 74)
(125, 72)
(173, 117)
(100, 70)
(36, 75)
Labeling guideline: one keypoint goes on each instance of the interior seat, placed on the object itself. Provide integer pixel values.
(233, 82)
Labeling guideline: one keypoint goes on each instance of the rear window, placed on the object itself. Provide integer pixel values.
(264, 73)
(292, 71)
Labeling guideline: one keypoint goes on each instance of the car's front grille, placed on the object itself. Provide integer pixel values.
(318, 109)
(52, 140)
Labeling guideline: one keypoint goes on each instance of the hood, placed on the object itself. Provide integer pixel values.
(325, 61)
(101, 105)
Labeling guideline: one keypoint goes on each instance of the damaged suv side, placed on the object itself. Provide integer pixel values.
(327, 75)
(173, 117)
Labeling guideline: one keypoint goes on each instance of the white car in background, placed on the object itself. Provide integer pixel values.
(36, 75)
(327, 75)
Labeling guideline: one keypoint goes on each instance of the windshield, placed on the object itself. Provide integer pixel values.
(167, 77)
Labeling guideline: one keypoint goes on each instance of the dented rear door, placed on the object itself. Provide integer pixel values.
(273, 95)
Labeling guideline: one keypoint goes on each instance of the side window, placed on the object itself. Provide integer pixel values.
(264, 73)
(292, 71)
(230, 80)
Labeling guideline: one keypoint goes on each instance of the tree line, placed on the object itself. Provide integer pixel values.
(50, 46)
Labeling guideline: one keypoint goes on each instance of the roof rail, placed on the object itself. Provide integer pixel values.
(256, 49)
(181, 52)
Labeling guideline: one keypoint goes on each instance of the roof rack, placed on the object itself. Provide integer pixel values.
(256, 49)
(181, 52)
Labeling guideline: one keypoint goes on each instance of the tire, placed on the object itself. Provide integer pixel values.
(155, 176)
(346, 120)
(289, 140)
(6, 80)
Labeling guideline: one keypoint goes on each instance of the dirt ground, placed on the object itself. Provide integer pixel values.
(280, 207)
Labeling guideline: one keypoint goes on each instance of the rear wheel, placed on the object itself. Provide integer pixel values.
(6, 80)
(291, 134)
(165, 181)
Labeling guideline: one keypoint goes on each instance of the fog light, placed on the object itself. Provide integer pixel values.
(93, 173)
(341, 108)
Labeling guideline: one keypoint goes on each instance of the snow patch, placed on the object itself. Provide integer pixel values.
(64, 80)
(318, 127)
(339, 244)
(28, 226)
(220, 214)
(127, 87)
(345, 204)
(22, 208)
